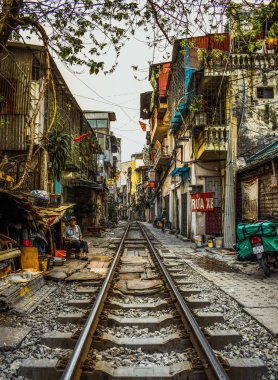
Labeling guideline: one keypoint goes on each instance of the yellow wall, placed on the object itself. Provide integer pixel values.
(135, 177)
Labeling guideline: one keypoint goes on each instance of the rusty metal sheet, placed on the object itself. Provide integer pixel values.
(12, 132)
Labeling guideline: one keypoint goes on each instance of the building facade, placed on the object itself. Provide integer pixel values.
(212, 107)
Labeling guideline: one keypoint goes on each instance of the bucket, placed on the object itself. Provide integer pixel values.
(219, 242)
(60, 253)
(210, 244)
(43, 264)
(198, 239)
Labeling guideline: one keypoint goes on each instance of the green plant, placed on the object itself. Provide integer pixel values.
(197, 104)
(216, 53)
(59, 149)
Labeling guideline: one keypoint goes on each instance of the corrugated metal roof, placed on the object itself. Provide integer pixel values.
(219, 41)
(270, 152)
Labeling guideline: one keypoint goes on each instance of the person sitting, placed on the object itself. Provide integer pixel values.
(73, 239)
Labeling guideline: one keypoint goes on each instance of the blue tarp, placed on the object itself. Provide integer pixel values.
(188, 71)
(179, 171)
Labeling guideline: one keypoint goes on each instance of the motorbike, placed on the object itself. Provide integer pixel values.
(258, 240)
(265, 257)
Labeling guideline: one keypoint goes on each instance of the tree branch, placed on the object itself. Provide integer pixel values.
(152, 5)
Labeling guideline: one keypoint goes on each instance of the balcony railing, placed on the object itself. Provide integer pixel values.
(211, 143)
(162, 155)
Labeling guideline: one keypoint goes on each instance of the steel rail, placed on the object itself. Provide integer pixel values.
(213, 367)
(73, 369)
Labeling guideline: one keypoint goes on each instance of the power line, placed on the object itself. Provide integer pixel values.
(100, 101)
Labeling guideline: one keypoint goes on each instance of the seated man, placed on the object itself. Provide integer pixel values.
(73, 239)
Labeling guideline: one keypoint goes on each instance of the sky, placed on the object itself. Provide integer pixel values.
(95, 92)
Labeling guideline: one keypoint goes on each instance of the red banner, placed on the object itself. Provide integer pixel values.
(143, 126)
(79, 138)
(202, 202)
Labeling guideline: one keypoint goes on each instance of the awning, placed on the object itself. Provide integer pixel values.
(52, 215)
(179, 171)
(78, 182)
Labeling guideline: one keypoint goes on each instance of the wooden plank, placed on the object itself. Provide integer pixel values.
(9, 254)
(32, 301)
(84, 276)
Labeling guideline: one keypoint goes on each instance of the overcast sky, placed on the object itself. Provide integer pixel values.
(95, 92)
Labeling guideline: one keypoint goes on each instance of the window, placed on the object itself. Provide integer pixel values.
(36, 70)
(265, 93)
(98, 123)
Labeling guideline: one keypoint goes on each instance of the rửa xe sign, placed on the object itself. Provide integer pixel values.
(202, 202)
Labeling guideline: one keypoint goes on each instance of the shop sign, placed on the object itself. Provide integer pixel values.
(202, 202)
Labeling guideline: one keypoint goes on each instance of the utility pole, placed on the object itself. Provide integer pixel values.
(230, 187)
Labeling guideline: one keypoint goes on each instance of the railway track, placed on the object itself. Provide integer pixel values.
(146, 323)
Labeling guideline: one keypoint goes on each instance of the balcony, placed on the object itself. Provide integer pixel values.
(159, 127)
(162, 156)
(211, 143)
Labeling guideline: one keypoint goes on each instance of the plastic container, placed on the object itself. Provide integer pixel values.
(210, 244)
(198, 239)
(219, 242)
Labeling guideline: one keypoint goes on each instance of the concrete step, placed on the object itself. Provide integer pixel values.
(94, 284)
(184, 282)
(196, 303)
(186, 292)
(207, 318)
(160, 303)
(176, 371)
(45, 369)
(58, 340)
(81, 304)
(151, 323)
(221, 338)
(178, 275)
(75, 318)
(244, 369)
(86, 290)
(172, 342)
(39, 369)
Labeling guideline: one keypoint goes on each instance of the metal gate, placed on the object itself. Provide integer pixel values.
(214, 218)
(184, 214)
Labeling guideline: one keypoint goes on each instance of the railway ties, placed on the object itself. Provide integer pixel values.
(147, 322)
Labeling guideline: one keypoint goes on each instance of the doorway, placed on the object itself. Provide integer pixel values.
(214, 218)
(184, 214)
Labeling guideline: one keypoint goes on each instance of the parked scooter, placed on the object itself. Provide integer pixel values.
(264, 258)
(260, 240)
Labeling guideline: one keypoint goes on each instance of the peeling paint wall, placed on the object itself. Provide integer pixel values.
(255, 100)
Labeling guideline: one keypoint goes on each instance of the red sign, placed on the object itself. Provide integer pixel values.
(202, 202)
